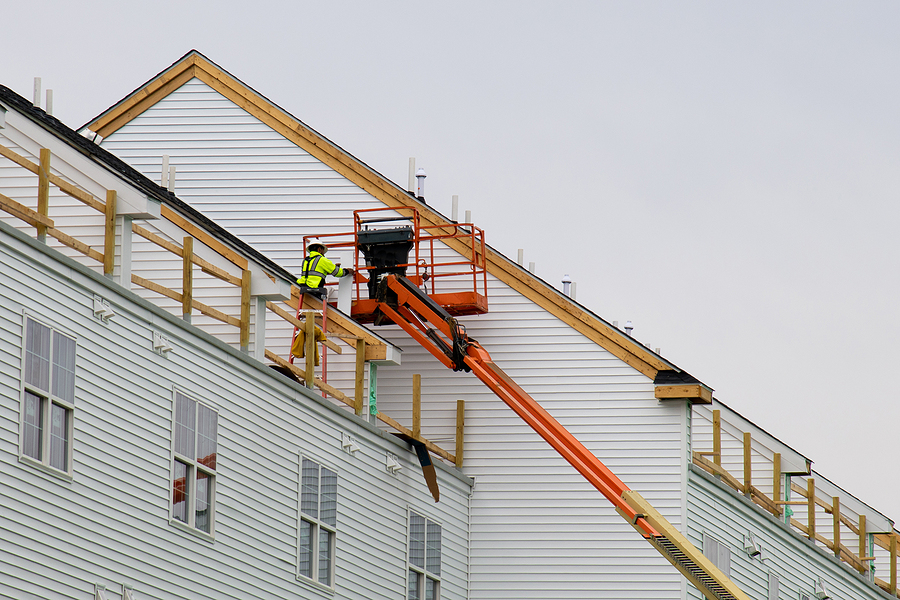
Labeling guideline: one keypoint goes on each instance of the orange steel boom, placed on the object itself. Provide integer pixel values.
(444, 337)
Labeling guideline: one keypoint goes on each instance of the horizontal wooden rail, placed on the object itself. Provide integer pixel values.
(177, 250)
(202, 308)
(774, 506)
(340, 396)
(59, 182)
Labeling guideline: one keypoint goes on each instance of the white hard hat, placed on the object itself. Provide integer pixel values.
(315, 242)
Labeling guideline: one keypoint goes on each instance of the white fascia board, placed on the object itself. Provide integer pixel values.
(87, 173)
(875, 521)
(392, 356)
(262, 286)
(792, 462)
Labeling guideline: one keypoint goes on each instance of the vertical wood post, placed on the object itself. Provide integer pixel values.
(811, 508)
(245, 310)
(360, 375)
(309, 329)
(187, 278)
(863, 543)
(893, 545)
(717, 437)
(836, 520)
(776, 482)
(43, 200)
(109, 234)
(417, 406)
(748, 467)
(460, 430)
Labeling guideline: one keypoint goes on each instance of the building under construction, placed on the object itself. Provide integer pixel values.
(172, 428)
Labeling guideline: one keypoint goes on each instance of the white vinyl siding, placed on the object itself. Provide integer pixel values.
(715, 509)
(112, 524)
(533, 517)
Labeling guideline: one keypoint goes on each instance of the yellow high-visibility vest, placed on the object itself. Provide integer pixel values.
(315, 268)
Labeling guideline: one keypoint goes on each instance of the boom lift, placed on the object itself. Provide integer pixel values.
(395, 298)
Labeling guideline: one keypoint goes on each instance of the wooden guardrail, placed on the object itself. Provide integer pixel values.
(366, 346)
(860, 560)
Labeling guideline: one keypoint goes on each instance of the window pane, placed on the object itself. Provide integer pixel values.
(204, 508)
(180, 492)
(37, 355)
(431, 589)
(417, 540)
(305, 552)
(185, 417)
(325, 556)
(309, 488)
(412, 586)
(206, 436)
(329, 497)
(433, 549)
(34, 430)
(63, 367)
(59, 437)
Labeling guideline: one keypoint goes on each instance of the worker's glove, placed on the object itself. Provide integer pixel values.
(347, 272)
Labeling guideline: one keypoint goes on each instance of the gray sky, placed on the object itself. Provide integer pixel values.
(724, 175)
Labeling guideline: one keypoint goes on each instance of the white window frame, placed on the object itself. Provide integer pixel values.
(193, 466)
(718, 553)
(47, 401)
(422, 573)
(773, 589)
(317, 525)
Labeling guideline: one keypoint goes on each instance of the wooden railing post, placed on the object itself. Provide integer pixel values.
(863, 544)
(43, 200)
(776, 482)
(460, 430)
(893, 550)
(109, 234)
(748, 467)
(717, 437)
(245, 310)
(811, 508)
(360, 376)
(309, 349)
(187, 278)
(836, 520)
(417, 406)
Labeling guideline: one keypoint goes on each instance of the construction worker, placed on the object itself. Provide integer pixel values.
(316, 267)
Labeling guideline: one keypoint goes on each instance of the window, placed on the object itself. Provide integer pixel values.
(194, 464)
(718, 553)
(424, 576)
(318, 522)
(774, 585)
(48, 396)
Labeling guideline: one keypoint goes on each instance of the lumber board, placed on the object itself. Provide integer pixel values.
(56, 180)
(155, 287)
(75, 244)
(204, 237)
(175, 249)
(21, 211)
(143, 99)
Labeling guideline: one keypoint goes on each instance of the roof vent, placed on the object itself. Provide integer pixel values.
(567, 283)
(628, 328)
(420, 184)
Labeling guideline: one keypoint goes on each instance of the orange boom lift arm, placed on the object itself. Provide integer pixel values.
(401, 302)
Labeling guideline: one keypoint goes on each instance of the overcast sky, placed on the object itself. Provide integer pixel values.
(724, 175)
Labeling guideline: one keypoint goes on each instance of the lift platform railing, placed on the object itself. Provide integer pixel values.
(447, 261)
